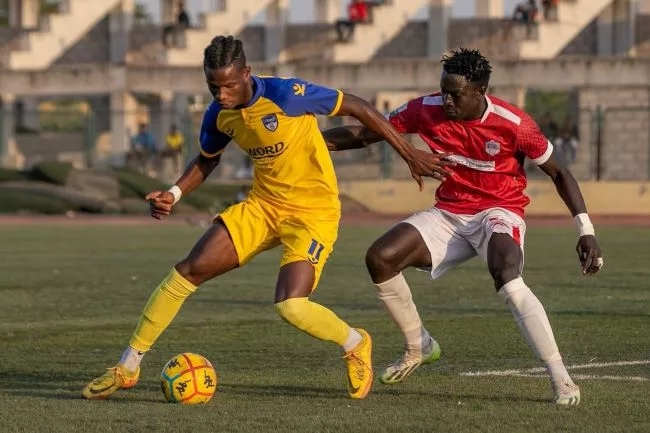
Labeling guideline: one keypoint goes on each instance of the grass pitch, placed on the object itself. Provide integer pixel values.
(71, 296)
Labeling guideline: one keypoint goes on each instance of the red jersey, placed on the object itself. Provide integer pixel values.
(358, 12)
(489, 152)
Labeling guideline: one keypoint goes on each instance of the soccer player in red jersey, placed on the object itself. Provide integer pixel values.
(479, 211)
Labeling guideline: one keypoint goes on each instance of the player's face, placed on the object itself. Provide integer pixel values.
(229, 86)
(461, 98)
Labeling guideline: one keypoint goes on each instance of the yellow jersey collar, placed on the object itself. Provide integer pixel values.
(258, 90)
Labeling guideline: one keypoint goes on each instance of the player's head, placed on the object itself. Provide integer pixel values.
(464, 81)
(226, 72)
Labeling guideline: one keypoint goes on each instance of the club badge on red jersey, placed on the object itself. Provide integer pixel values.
(492, 147)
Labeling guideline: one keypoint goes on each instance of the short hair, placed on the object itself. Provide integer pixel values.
(224, 51)
(468, 63)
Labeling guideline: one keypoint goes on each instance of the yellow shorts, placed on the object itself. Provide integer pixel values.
(256, 226)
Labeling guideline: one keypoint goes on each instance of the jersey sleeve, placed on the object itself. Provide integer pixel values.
(212, 141)
(406, 118)
(532, 142)
(297, 97)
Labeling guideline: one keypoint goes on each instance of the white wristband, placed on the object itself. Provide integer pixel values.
(176, 192)
(585, 227)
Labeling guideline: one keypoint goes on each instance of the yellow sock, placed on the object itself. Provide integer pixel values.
(314, 319)
(161, 309)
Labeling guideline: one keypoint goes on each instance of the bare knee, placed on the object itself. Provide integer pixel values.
(382, 262)
(194, 271)
(213, 254)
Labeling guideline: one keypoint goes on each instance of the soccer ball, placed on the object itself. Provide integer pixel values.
(188, 378)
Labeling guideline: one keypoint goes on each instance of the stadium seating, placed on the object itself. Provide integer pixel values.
(553, 36)
(57, 32)
(230, 20)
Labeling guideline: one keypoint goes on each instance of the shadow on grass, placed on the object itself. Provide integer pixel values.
(59, 387)
(378, 391)
(283, 391)
(122, 397)
(64, 394)
(62, 387)
(41, 380)
(440, 395)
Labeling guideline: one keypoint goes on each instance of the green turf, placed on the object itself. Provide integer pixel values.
(70, 297)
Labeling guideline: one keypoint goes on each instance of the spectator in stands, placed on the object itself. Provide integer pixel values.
(172, 30)
(175, 142)
(526, 14)
(566, 144)
(242, 194)
(550, 9)
(143, 147)
(357, 14)
(245, 171)
(549, 127)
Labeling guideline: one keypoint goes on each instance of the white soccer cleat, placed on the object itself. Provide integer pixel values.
(408, 363)
(566, 395)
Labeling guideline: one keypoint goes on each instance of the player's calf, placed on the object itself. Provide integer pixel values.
(321, 323)
(534, 325)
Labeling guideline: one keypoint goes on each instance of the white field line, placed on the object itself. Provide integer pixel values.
(529, 372)
(573, 376)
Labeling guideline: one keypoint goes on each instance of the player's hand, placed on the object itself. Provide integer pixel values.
(591, 258)
(423, 163)
(160, 203)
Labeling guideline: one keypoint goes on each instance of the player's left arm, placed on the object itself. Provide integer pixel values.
(349, 137)
(537, 147)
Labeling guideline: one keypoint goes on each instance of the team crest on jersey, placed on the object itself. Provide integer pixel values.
(492, 147)
(270, 122)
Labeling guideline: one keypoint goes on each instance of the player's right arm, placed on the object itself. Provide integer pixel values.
(213, 143)
(377, 127)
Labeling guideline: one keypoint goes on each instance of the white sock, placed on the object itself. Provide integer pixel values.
(396, 296)
(354, 338)
(131, 358)
(534, 325)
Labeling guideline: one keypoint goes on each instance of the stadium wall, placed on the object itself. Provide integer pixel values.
(602, 198)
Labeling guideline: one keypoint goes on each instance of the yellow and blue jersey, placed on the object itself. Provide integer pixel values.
(278, 129)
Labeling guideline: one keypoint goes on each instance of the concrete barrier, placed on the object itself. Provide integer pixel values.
(602, 198)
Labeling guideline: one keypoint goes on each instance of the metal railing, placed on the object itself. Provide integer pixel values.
(613, 142)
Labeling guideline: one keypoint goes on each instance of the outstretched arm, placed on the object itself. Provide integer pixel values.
(161, 202)
(349, 137)
(567, 187)
(378, 127)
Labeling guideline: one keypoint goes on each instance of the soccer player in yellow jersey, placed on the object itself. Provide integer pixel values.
(294, 203)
